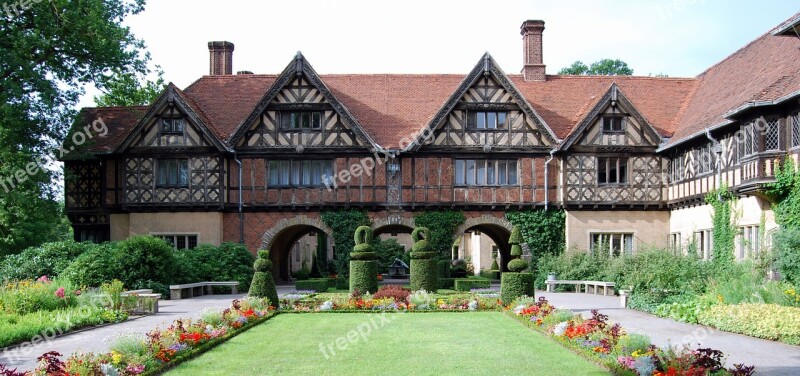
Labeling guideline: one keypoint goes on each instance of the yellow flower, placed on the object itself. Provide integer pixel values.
(720, 298)
(116, 357)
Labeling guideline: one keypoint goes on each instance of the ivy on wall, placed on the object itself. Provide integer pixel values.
(442, 226)
(542, 230)
(785, 195)
(724, 226)
(344, 223)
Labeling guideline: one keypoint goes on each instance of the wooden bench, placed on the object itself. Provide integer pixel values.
(190, 290)
(146, 301)
(583, 286)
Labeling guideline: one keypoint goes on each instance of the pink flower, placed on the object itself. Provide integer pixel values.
(43, 279)
(60, 293)
(77, 292)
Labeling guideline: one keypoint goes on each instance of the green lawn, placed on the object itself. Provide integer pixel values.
(477, 343)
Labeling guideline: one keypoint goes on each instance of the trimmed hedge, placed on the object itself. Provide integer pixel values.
(363, 276)
(466, 284)
(514, 285)
(423, 275)
(446, 283)
(316, 284)
(443, 268)
(342, 283)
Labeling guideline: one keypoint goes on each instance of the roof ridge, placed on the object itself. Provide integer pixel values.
(733, 54)
(115, 107)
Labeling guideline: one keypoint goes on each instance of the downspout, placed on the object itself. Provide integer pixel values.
(546, 175)
(717, 149)
(241, 214)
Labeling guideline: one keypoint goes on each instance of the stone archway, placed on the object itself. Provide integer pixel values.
(497, 229)
(280, 238)
(390, 223)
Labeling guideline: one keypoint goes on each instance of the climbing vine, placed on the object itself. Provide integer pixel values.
(785, 195)
(542, 230)
(724, 225)
(442, 226)
(344, 223)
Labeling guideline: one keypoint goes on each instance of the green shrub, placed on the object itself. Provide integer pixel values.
(228, 262)
(466, 284)
(423, 275)
(514, 285)
(446, 283)
(768, 321)
(263, 286)
(490, 274)
(787, 254)
(342, 283)
(363, 276)
(443, 268)
(48, 259)
(145, 258)
(95, 267)
(302, 274)
(517, 265)
(316, 284)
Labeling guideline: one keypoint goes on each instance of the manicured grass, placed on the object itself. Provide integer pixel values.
(476, 343)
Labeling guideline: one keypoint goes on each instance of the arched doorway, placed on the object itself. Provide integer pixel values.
(295, 242)
(394, 233)
(481, 238)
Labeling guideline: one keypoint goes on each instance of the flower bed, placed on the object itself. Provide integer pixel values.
(52, 307)
(768, 321)
(160, 349)
(622, 353)
(391, 298)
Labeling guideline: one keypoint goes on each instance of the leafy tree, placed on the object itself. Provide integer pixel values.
(51, 50)
(577, 68)
(603, 67)
(128, 89)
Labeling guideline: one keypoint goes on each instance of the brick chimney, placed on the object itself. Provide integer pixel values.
(220, 58)
(533, 66)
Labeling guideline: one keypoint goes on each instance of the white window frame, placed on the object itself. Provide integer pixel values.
(626, 241)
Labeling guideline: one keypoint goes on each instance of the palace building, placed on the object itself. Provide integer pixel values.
(255, 158)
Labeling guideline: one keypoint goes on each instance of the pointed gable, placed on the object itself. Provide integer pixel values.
(171, 121)
(299, 111)
(613, 124)
(486, 112)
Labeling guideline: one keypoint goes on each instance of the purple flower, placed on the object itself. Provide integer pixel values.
(179, 347)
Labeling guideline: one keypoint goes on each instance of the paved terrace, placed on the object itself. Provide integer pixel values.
(770, 358)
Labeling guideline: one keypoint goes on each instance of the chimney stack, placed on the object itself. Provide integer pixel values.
(533, 65)
(220, 58)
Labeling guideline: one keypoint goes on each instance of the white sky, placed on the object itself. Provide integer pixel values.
(674, 37)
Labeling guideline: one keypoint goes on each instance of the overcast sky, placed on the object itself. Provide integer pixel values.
(673, 37)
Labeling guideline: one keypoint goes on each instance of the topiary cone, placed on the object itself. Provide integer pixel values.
(263, 286)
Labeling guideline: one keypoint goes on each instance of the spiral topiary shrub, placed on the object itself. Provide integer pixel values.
(514, 285)
(263, 286)
(424, 266)
(363, 269)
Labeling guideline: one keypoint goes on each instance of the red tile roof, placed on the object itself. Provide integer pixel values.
(563, 101)
(391, 107)
(118, 120)
(765, 69)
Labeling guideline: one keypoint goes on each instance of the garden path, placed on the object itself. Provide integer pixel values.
(769, 357)
(97, 340)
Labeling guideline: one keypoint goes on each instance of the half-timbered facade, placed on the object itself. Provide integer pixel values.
(255, 158)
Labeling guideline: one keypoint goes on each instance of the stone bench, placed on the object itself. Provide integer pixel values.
(146, 301)
(589, 287)
(190, 290)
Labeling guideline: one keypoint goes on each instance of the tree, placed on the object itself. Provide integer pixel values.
(128, 89)
(51, 50)
(604, 67)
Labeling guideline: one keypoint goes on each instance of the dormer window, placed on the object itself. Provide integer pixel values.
(301, 120)
(613, 124)
(172, 126)
(486, 120)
